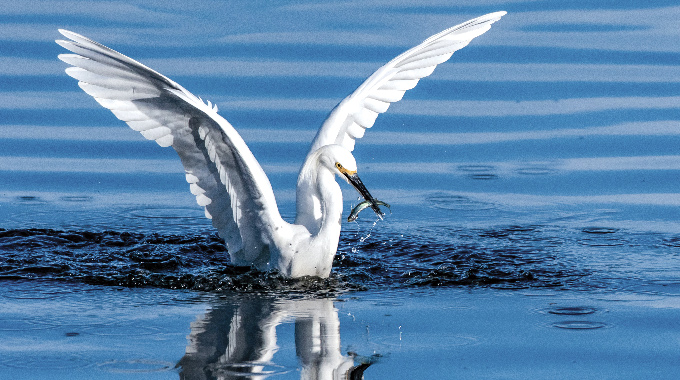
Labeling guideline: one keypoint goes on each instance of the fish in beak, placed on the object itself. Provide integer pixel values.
(353, 179)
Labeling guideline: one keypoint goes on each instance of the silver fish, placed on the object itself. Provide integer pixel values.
(361, 206)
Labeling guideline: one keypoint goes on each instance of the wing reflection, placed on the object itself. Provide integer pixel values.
(238, 340)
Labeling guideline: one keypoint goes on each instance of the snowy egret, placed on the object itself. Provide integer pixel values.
(222, 172)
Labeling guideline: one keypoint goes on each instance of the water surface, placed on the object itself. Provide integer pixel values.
(533, 183)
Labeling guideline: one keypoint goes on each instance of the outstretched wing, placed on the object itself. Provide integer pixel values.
(222, 172)
(349, 120)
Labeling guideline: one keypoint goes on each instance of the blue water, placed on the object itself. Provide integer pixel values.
(543, 157)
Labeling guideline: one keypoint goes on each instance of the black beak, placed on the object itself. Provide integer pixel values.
(359, 186)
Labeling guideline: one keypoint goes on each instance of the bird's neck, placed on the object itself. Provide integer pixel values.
(319, 199)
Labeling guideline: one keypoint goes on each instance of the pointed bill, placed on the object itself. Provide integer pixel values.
(355, 181)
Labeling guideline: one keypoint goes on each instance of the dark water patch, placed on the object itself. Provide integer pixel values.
(507, 257)
(196, 262)
(467, 258)
(200, 262)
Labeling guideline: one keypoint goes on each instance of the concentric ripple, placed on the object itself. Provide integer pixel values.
(579, 325)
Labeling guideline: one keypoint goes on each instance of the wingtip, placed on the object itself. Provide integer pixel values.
(73, 36)
(62, 57)
(66, 33)
(495, 16)
(62, 43)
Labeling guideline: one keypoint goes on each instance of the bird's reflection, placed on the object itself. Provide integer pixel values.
(238, 340)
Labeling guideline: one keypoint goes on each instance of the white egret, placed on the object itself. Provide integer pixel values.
(222, 172)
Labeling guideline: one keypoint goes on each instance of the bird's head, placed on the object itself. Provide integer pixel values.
(341, 161)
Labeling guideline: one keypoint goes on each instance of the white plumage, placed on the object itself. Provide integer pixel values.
(224, 175)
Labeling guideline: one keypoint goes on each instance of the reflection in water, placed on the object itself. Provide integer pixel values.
(238, 341)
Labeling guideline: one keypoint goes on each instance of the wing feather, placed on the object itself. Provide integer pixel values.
(221, 171)
(389, 83)
(414, 73)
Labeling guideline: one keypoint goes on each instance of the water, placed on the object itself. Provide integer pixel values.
(532, 179)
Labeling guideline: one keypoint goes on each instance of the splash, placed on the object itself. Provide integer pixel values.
(369, 258)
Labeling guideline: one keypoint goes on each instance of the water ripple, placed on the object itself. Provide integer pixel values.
(571, 310)
(580, 325)
(136, 366)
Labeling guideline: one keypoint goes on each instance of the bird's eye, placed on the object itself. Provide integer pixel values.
(337, 165)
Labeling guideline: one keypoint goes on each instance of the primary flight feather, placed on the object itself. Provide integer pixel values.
(222, 172)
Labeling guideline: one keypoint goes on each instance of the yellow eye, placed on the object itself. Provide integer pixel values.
(337, 165)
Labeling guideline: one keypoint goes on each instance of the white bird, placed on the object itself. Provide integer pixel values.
(222, 172)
